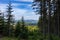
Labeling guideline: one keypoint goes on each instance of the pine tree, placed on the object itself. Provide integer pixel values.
(45, 11)
(23, 30)
(9, 19)
(38, 11)
(1, 23)
(57, 16)
(49, 19)
(17, 29)
(41, 9)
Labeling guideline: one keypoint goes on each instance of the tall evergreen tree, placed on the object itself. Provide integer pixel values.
(57, 16)
(9, 19)
(42, 23)
(23, 29)
(17, 29)
(49, 19)
(45, 8)
(1, 23)
(58, 13)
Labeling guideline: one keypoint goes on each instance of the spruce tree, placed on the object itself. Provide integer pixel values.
(45, 11)
(57, 17)
(9, 19)
(49, 19)
(17, 29)
(23, 30)
(41, 10)
(1, 23)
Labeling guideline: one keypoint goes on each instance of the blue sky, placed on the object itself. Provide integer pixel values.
(20, 8)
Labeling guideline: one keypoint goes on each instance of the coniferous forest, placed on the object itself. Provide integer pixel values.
(47, 27)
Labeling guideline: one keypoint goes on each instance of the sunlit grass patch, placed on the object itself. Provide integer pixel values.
(32, 28)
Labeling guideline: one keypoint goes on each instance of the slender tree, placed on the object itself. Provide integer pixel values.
(1, 23)
(9, 19)
(24, 31)
(57, 16)
(42, 23)
(17, 29)
(49, 19)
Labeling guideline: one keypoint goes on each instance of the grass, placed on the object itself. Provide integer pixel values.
(8, 38)
(32, 28)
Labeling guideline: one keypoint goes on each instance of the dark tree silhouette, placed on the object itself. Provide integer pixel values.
(49, 16)
(24, 30)
(18, 28)
(9, 19)
(1, 23)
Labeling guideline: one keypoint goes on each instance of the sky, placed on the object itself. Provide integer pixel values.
(20, 8)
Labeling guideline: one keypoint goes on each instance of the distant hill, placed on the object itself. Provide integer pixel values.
(30, 22)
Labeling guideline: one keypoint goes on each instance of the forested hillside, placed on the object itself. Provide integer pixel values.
(47, 27)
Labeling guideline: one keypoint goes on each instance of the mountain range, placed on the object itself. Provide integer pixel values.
(30, 22)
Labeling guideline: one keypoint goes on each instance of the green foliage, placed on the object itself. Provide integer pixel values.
(23, 30)
(48, 23)
(17, 29)
(8, 38)
(48, 20)
(9, 23)
(1, 23)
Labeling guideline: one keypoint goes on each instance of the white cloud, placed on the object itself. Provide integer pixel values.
(2, 7)
(15, 4)
(33, 17)
(25, 0)
(27, 15)
(30, 5)
(18, 13)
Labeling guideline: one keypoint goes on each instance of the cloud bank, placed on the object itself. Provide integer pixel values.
(21, 10)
